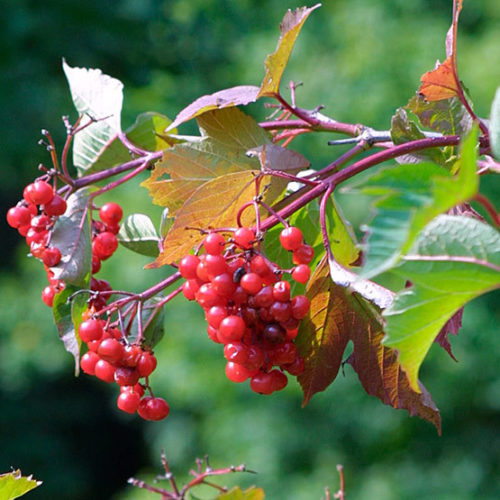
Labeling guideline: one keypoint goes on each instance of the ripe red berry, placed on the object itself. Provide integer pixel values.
(27, 193)
(18, 216)
(244, 237)
(128, 401)
(111, 350)
(51, 256)
(41, 193)
(251, 283)
(281, 291)
(88, 362)
(131, 355)
(301, 273)
(56, 207)
(262, 383)
(104, 245)
(105, 371)
(137, 388)
(279, 380)
(259, 265)
(96, 264)
(188, 265)
(48, 295)
(206, 296)
(189, 289)
(291, 238)
(111, 213)
(40, 222)
(215, 265)
(295, 368)
(153, 408)
(224, 285)
(215, 315)
(90, 329)
(146, 364)
(236, 352)
(274, 333)
(300, 306)
(281, 311)
(303, 255)
(237, 373)
(126, 376)
(231, 328)
(214, 243)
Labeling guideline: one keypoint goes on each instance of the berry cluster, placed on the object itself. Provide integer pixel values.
(34, 217)
(248, 306)
(112, 359)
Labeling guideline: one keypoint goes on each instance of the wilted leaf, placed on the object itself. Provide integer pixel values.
(14, 485)
(451, 327)
(71, 235)
(237, 493)
(276, 62)
(403, 129)
(137, 233)
(409, 196)
(337, 316)
(449, 116)
(235, 96)
(227, 136)
(454, 260)
(495, 125)
(100, 97)
(274, 157)
(68, 316)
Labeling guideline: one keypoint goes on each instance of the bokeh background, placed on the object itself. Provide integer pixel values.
(359, 58)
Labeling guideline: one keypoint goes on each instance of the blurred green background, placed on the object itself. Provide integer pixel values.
(359, 58)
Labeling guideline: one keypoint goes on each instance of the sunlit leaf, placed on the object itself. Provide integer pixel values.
(495, 125)
(71, 235)
(276, 62)
(408, 197)
(14, 485)
(454, 260)
(95, 96)
(236, 493)
(275, 157)
(235, 96)
(337, 316)
(137, 233)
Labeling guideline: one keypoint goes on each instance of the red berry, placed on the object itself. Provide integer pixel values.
(251, 282)
(236, 352)
(214, 243)
(283, 354)
(259, 265)
(291, 238)
(48, 295)
(301, 273)
(90, 330)
(212, 334)
(274, 333)
(244, 237)
(153, 408)
(27, 193)
(18, 216)
(40, 222)
(207, 296)
(88, 362)
(231, 328)
(281, 311)
(262, 383)
(237, 373)
(126, 376)
(146, 364)
(240, 296)
(115, 229)
(51, 256)
(96, 264)
(215, 315)
(303, 255)
(188, 265)
(128, 401)
(202, 271)
(36, 236)
(111, 213)
(105, 371)
(189, 289)
(131, 355)
(279, 380)
(41, 193)
(256, 357)
(281, 291)
(104, 245)
(224, 285)
(300, 306)
(215, 265)
(57, 206)
(137, 388)
(111, 350)
(295, 368)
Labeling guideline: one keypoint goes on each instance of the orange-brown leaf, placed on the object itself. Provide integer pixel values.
(440, 83)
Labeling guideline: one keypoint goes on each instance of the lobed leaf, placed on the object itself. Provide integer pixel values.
(137, 233)
(276, 62)
(71, 235)
(234, 96)
(14, 484)
(237, 493)
(408, 197)
(337, 316)
(495, 125)
(454, 260)
(275, 157)
(98, 97)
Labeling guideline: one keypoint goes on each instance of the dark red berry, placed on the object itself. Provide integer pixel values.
(111, 213)
(291, 238)
(262, 383)
(274, 333)
(157, 409)
(279, 380)
(281, 311)
(131, 355)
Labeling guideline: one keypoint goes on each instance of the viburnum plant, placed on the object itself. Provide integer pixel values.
(255, 236)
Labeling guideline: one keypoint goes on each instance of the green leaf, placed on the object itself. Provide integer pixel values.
(14, 485)
(454, 260)
(408, 197)
(237, 493)
(276, 62)
(404, 129)
(95, 96)
(137, 233)
(165, 223)
(71, 234)
(234, 96)
(152, 322)
(338, 316)
(449, 116)
(495, 125)
(68, 316)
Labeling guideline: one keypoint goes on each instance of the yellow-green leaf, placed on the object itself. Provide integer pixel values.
(15, 485)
